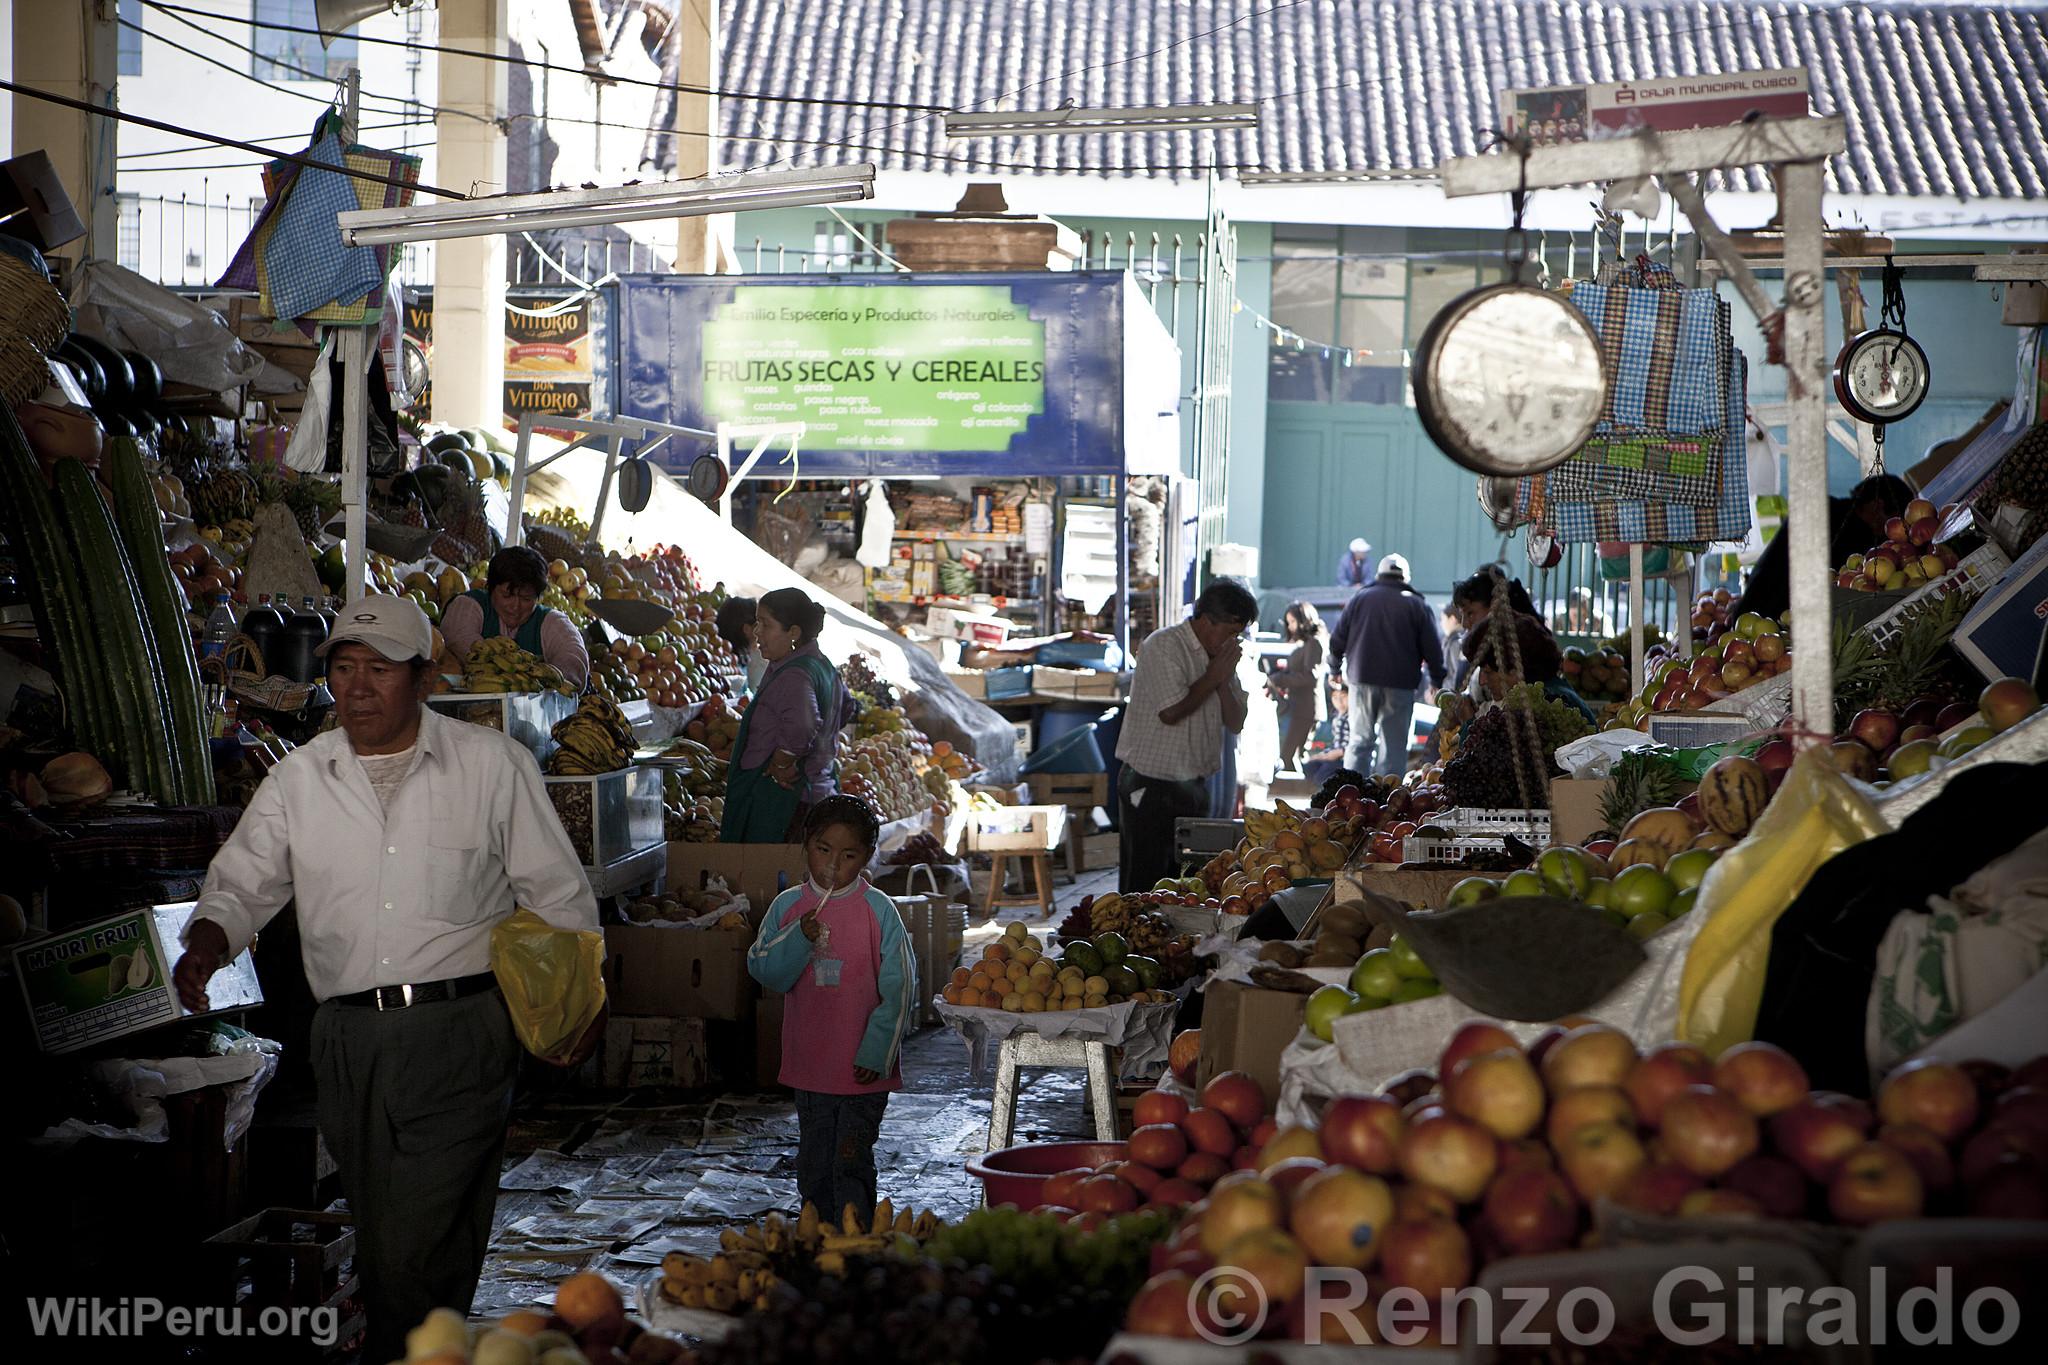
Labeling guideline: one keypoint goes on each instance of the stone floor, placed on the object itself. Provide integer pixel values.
(612, 1180)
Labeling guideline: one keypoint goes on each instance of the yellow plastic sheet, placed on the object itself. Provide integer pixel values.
(553, 980)
(1815, 815)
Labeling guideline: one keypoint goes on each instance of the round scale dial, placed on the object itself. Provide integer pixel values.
(1882, 376)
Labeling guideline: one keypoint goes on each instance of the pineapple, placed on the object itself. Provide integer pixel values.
(1640, 781)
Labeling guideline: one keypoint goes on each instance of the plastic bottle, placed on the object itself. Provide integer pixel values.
(221, 628)
(304, 632)
(264, 625)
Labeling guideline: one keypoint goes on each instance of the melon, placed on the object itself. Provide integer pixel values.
(1668, 828)
(1732, 795)
(1629, 852)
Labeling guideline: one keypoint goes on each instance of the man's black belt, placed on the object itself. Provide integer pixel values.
(425, 993)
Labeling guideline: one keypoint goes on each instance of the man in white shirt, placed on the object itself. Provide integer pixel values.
(1184, 695)
(404, 837)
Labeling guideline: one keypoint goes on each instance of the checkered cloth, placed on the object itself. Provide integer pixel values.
(372, 194)
(301, 261)
(1666, 347)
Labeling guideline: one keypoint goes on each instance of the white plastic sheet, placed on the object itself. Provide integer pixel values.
(876, 529)
(142, 1084)
(307, 449)
(1144, 1031)
(190, 344)
(1594, 756)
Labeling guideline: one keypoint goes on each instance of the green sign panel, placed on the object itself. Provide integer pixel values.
(878, 367)
(97, 981)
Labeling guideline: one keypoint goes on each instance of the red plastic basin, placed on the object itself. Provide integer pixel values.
(1017, 1175)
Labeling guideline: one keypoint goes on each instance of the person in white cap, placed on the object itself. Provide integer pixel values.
(1352, 564)
(1383, 642)
(403, 836)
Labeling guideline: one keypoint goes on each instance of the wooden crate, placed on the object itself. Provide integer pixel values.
(294, 1258)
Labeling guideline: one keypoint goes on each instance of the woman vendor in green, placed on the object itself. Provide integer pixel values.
(509, 604)
(783, 758)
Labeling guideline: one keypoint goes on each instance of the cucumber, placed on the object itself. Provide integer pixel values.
(114, 608)
(135, 516)
(58, 595)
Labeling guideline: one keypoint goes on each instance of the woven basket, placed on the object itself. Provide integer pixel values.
(34, 320)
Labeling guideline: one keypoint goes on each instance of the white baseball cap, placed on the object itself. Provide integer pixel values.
(393, 626)
(1358, 545)
(1393, 566)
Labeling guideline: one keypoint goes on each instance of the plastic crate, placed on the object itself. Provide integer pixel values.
(1423, 849)
(1527, 825)
(1975, 573)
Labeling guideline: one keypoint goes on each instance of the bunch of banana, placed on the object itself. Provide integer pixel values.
(500, 665)
(596, 739)
(1108, 914)
(856, 1235)
(1149, 933)
(730, 1282)
(745, 1271)
(1261, 826)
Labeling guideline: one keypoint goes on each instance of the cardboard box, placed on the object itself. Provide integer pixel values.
(75, 999)
(2001, 635)
(1019, 795)
(1083, 791)
(972, 682)
(1016, 829)
(768, 1039)
(760, 872)
(1099, 851)
(1575, 808)
(1004, 684)
(654, 1051)
(1246, 1028)
(985, 629)
(670, 972)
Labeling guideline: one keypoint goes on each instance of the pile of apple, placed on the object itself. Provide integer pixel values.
(1510, 1153)
(1908, 558)
(1881, 743)
(1754, 650)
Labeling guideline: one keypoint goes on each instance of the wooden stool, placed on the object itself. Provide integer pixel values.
(1040, 865)
(1029, 1049)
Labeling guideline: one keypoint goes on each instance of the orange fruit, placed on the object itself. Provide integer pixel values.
(524, 1321)
(586, 1299)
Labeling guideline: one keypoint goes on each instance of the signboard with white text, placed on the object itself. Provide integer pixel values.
(1580, 113)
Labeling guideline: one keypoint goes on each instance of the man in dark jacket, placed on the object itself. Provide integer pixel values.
(1384, 640)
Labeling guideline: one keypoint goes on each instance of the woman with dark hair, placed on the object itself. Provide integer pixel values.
(1297, 684)
(782, 760)
(1855, 523)
(1486, 648)
(736, 625)
(1472, 601)
(509, 604)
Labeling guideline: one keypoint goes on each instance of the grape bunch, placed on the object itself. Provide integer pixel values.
(1482, 772)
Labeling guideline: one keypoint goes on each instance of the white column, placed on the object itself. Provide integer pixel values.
(71, 48)
(469, 272)
(1806, 518)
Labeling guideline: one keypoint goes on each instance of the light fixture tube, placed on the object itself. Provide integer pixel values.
(597, 208)
(1162, 118)
(1357, 177)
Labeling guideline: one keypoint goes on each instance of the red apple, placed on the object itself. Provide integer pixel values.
(1600, 1159)
(1499, 1091)
(1593, 1054)
(1763, 1077)
(1472, 1038)
(1245, 1158)
(1919, 509)
(1531, 1211)
(1547, 1039)
(1174, 1193)
(1877, 729)
(1778, 1186)
(1209, 1131)
(1661, 1073)
(1936, 1095)
(1896, 531)
(1659, 1187)
(1409, 1085)
(1575, 1109)
(2023, 1105)
(1450, 1153)
(1719, 1204)
(1157, 1106)
(1161, 1146)
(1164, 1307)
(1341, 1216)
(2015, 1187)
(1927, 1152)
(2007, 702)
(1815, 1137)
(1430, 1255)
(1290, 1174)
(1365, 1132)
(1774, 755)
(1875, 1183)
(1852, 759)
(1706, 1131)
(1997, 1142)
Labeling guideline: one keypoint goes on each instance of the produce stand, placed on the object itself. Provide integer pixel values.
(525, 716)
(643, 870)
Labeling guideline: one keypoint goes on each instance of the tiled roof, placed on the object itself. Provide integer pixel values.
(1940, 100)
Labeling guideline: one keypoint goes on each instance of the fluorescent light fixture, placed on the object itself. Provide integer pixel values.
(1357, 177)
(1160, 118)
(598, 208)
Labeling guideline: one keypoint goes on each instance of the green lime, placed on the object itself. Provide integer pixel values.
(1682, 902)
(1417, 990)
(1640, 889)
(1323, 1007)
(1565, 872)
(1524, 883)
(1599, 893)
(1471, 891)
(1361, 1003)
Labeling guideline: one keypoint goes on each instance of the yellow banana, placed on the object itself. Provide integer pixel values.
(885, 1217)
(831, 1263)
(850, 1220)
(905, 1222)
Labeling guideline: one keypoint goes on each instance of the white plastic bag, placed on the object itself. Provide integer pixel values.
(1594, 756)
(307, 450)
(876, 529)
(190, 344)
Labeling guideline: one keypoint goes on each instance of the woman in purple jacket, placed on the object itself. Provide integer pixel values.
(783, 758)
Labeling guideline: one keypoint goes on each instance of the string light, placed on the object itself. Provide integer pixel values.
(1285, 336)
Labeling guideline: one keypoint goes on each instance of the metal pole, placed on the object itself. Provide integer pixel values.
(1806, 517)
(355, 418)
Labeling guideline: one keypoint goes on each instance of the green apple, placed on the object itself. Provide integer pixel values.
(1471, 891)
(1323, 1008)
(1170, 885)
(1408, 962)
(1565, 872)
(1417, 990)
(1642, 926)
(1361, 1003)
(1376, 975)
(1642, 890)
(1682, 902)
(1524, 883)
(1599, 894)
(1689, 868)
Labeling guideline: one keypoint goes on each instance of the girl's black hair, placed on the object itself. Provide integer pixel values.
(850, 811)
(1479, 588)
(795, 609)
(735, 614)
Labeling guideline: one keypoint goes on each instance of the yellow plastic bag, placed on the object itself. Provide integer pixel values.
(553, 980)
(1815, 815)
